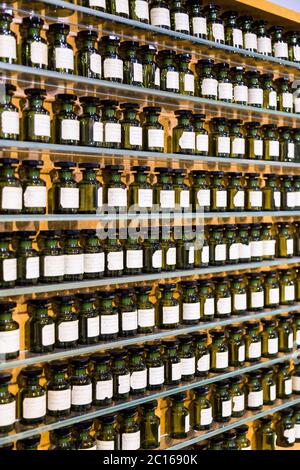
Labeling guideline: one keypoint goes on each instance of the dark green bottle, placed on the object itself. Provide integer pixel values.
(155, 366)
(264, 435)
(88, 59)
(253, 341)
(34, 187)
(153, 131)
(233, 34)
(132, 66)
(269, 386)
(201, 409)
(52, 260)
(114, 256)
(102, 379)
(127, 311)
(219, 351)
(202, 353)
(32, 396)
(107, 437)
(179, 17)
(236, 345)
(230, 440)
(7, 404)
(138, 370)
(39, 328)
(186, 76)
(145, 310)
(198, 21)
(9, 114)
(84, 440)
(190, 303)
(30, 443)
(8, 39)
(178, 421)
(74, 259)
(81, 385)
(119, 8)
(254, 391)
(130, 430)
(91, 127)
(112, 64)
(28, 261)
(160, 14)
(237, 390)
(60, 52)
(169, 75)
(215, 26)
(285, 428)
(90, 189)
(63, 197)
(283, 380)
(66, 322)
(167, 307)
(94, 258)
(285, 333)
(140, 190)
(187, 357)
(164, 190)
(66, 124)
(139, 10)
(8, 261)
(121, 374)
(114, 190)
(270, 337)
(34, 49)
(151, 72)
(132, 132)
(61, 439)
(36, 118)
(150, 426)
(9, 331)
(11, 195)
(58, 390)
(222, 401)
(88, 315)
(183, 136)
(109, 317)
(172, 362)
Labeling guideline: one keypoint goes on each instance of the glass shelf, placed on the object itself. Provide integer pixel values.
(23, 75)
(22, 431)
(27, 357)
(135, 30)
(110, 281)
(71, 151)
(218, 428)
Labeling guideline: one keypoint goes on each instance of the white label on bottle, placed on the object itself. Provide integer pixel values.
(297, 103)
(242, 353)
(81, 394)
(239, 199)
(269, 247)
(290, 435)
(220, 252)
(69, 198)
(173, 80)
(171, 314)
(9, 341)
(129, 321)
(167, 199)
(188, 365)
(288, 387)
(234, 251)
(290, 340)
(138, 379)
(187, 423)
(221, 198)
(200, 26)
(48, 335)
(11, 198)
(64, 58)
(222, 360)
(258, 148)
(240, 301)
(104, 389)
(206, 416)
(74, 264)
(205, 255)
(10, 122)
(7, 414)
(203, 364)
(135, 135)
(9, 269)
(42, 125)
(105, 445)
(257, 299)
(33, 267)
(244, 251)
(122, 6)
(237, 37)
(185, 200)
(34, 407)
(255, 198)
(296, 383)
(281, 50)
(289, 293)
(264, 45)
(255, 350)
(54, 266)
(8, 46)
(160, 17)
(277, 199)
(187, 141)
(156, 138)
(274, 295)
(93, 262)
(272, 392)
(255, 96)
(182, 22)
(209, 307)
(70, 129)
(273, 345)
(115, 261)
(113, 68)
(117, 197)
(250, 41)
(171, 257)
(225, 91)
(238, 403)
(145, 197)
(238, 146)
(134, 259)
(191, 251)
(203, 197)
(97, 3)
(296, 50)
(287, 100)
(93, 327)
(176, 371)
(291, 150)
(95, 63)
(58, 400)
(255, 399)
(273, 99)
(240, 93)
(202, 145)
(68, 331)
(191, 311)
(137, 72)
(298, 337)
(223, 145)
(218, 32)
(274, 148)
(157, 259)
(131, 441)
(157, 77)
(112, 132)
(189, 82)
(35, 196)
(290, 199)
(142, 9)
(109, 324)
(146, 317)
(39, 53)
(209, 87)
(98, 132)
(226, 408)
(156, 375)
(297, 431)
(224, 305)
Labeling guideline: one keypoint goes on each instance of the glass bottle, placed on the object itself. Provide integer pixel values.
(269, 91)
(114, 189)
(121, 374)
(83, 438)
(285, 429)
(237, 138)
(7, 404)
(296, 421)
(237, 391)
(280, 46)
(9, 113)
(119, 8)
(285, 333)
(112, 129)
(152, 253)
(29, 443)
(9, 332)
(114, 257)
(32, 396)
(112, 63)
(168, 307)
(139, 10)
(253, 192)
(287, 145)
(132, 132)
(233, 34)
(60, 51)
(66, 124)
(133, 254)
(222, 401)
(201, 409)
(270, 337)
(242, 441)
(269, 386)
(244, 239)
(185, 248)
(201, 247)
(34, 187)
(99, 5)
(265, 436)
(8, 261)
(250, 37)
(52, 267)
(58, 390)
(172, 362)
(11, 194)
(240, 88)
(271, 142)
(198, 21)
(256, 244)
(201, 135)
(150, 426)
(138, 370)
(200, 189)
(140, 190)
(132, 66)
(253, 341)
(88, 59)
(127, 311)
(264, 43)
(190, 303)
(64, 194)
(8, 39)
(225, 87)
(178, 417)
(297, 327)
(164, 191)
(217, 246)
(61, 439)
(254, 141)
(186, 76)
(90, 189)
(107, 435)
(183, 135)
(216, 443)
(102, 379)
(233, 246)
(219, 194)
(285, 96)
(254, 391)
(272, 193)
(155, 366)
(206, 290)
(287, 287)
(223, 297)
(130, 430)
(283, 380)
(91, 127)
(292, 38)
(66, 322)
(169, 74)
(39, 328)
(36, 118)
(230, 440)
(160, 14)
(235, 192)
(207, 83)
(145, 310)
(179, 17)
(236, 345)
(219, 138)
(219, 351)
(153, 131)
(151, 71)
(89, 326)
(28, 262)
(74, 259)
(215, 25)
(187, 357)
(255, 90)
(81, 385)
(285, 240)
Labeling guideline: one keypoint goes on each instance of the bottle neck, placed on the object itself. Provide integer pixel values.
(89, 175)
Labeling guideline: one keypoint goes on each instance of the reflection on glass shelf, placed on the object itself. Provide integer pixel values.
(110, 281)
(26, 357)
(219, 428)
(22, 431)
